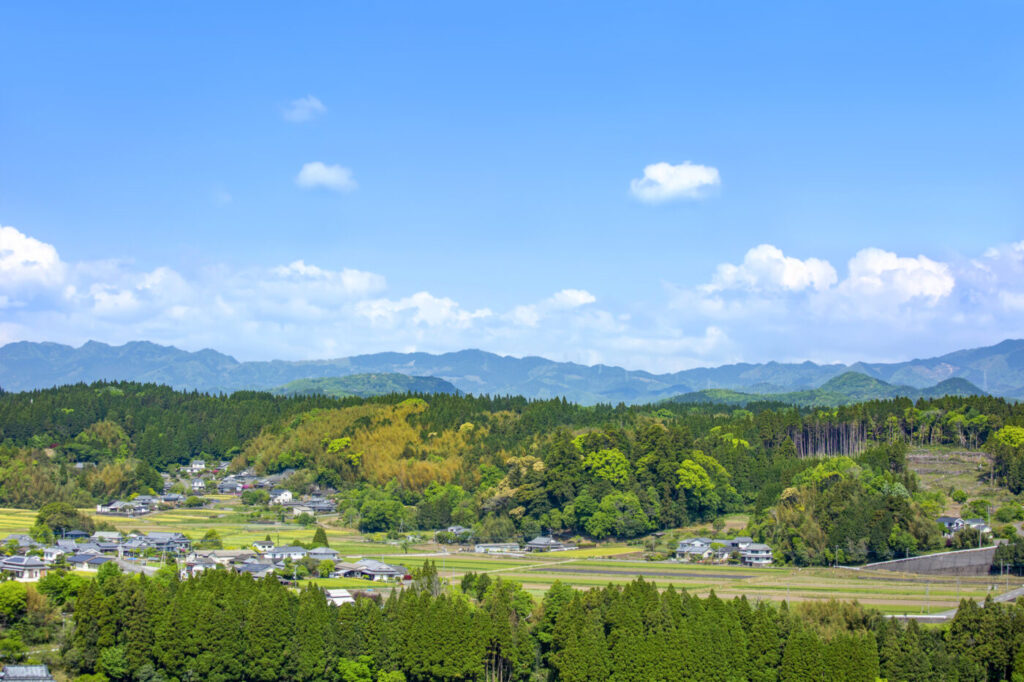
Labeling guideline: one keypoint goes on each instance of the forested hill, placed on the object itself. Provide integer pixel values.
(365, 386)
(996, 369)
(849, 387)
(508, 467)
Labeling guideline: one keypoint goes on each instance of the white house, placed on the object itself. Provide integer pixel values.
(280, 496)
(25, 569)
(756, 554)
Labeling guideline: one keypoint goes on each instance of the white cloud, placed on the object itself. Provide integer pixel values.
(420, 308)
(877, 273)
(318, 174)
(348, 281)
(572, 298)
(531, 314)
(25, 261)
(304, 109)
(663, 182)
(765, 267)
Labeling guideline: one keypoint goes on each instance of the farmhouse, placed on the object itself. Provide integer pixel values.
(281, 553)
(164, 541)
(544, 543)
(23, 568)
(951, 524)
(26, 673)
(280, 496)
(323, 553)
(263, 546)
(756, 554)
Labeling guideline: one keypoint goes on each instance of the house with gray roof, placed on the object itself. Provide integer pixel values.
(26, 673)
(25, 569)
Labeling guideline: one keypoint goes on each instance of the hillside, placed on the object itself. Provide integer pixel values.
(365, 385)
(997, 369)
(849, 387)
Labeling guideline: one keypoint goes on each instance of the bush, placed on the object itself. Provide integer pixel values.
(1012, 511)
(959, 496)
(192, 502)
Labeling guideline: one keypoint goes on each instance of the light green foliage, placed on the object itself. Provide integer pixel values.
(13, 600)
(828, 471)
(610, 465)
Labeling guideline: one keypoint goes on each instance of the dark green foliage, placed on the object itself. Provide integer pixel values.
(221, 627)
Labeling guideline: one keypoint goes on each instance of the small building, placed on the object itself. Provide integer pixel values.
(106, 536)
(75, 535)
(51, 554)
(256, 570)
(198, 485)
(950, 524)
(173, 499)
(756, 554)
(25, 569)
(280, 496)
(544, 543)
(289, 552)
(263, 546)
(23, 541)
(229, 486)
(339, 596)
(371, 569)
(496, 548)
(323, 554)
(694, 549)
(979, 525)
(164, 541)
(26, 673)
(197, 466)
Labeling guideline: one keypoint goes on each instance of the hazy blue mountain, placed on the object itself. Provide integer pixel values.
(365, 385)
(848, 387)
(997, 369)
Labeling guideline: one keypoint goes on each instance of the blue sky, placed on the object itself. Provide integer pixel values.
(835, 182)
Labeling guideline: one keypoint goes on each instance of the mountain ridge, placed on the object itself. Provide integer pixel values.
(25, 365)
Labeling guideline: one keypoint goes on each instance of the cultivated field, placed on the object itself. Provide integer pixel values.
(591, 567)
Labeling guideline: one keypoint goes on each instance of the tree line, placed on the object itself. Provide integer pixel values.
(221, 626)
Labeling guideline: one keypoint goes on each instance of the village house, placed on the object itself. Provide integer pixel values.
(544, 543)
(198, 485)
(164, 541)
(950, 525)
(263, 546)
(756, 554)
(323, 554)
(35, 672)
(337, 597)
(371, 569)
(496, 548)
(25, 569)
(289, 552)
(280, 496)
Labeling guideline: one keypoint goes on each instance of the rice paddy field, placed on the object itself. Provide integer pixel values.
(889, 592)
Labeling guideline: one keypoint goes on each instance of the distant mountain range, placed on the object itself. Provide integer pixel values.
(848, 387)
(998, 370)
(365, 385)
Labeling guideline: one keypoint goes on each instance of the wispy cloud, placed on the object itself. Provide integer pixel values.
(665, 182)
(318, 174)
(304, 109)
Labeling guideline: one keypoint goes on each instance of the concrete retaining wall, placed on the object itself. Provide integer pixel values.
(962, 562)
